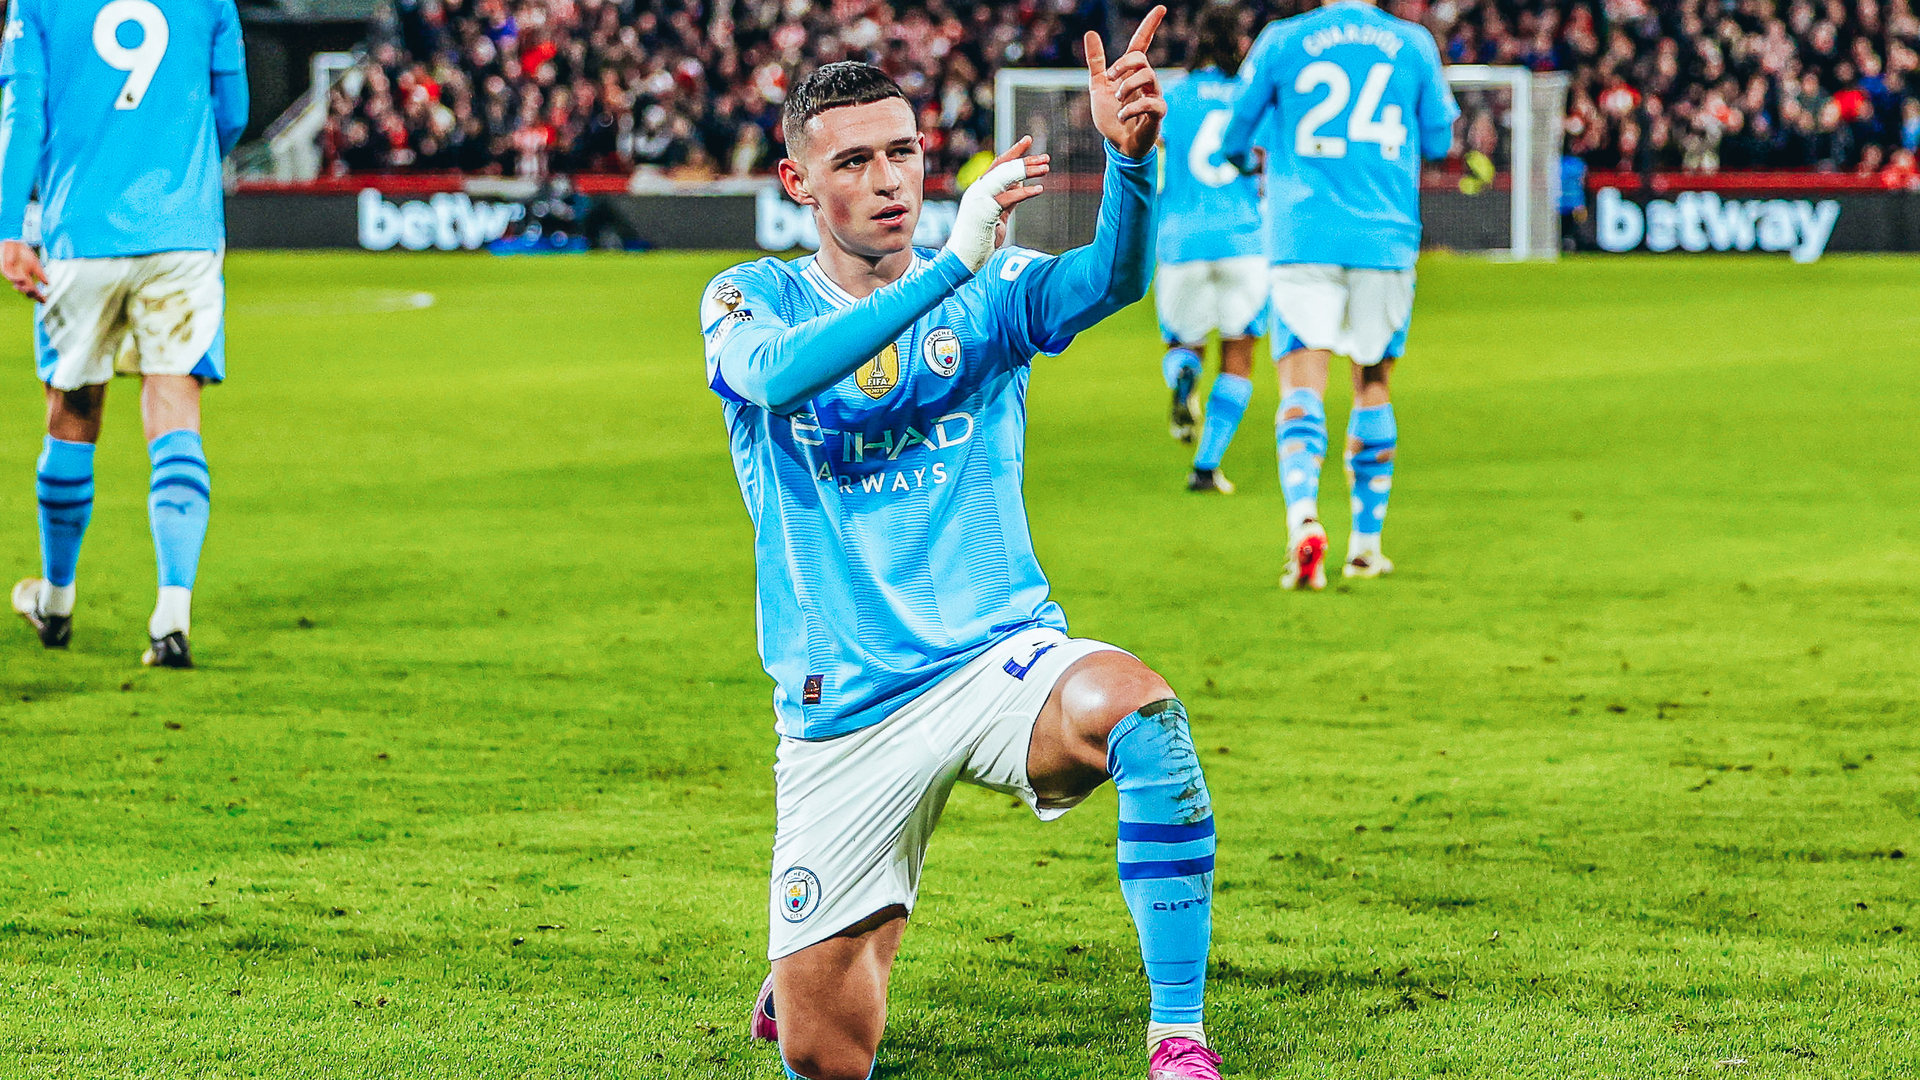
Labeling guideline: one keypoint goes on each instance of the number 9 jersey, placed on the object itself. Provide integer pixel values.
(1357, 101)
(121, 98)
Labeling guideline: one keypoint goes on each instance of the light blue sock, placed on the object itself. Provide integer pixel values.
(1372, 438)
(1179, 360)
(63, 479)
(1166, 854)
(178, 505)
(1226, 404)
(1301, 431)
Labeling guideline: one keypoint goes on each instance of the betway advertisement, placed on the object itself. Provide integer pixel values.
(1801, 225)
(1703, 221)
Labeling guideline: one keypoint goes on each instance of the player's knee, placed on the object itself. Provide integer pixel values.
(1104, 689)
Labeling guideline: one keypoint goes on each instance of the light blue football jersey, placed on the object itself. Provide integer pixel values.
(1208, 209)
(130, 163)
(891, 537)
(1360, 100)
(890, 530)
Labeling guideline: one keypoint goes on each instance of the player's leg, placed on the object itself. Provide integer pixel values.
(1239, 297)
(1372, 440)
(1381, 309)
(176, 342)
(1226, 406)
(63, 481)
(1111, 716)
(179, 505)
(830, 999)
(75, 334)
(1310, 303)
(1173, 287)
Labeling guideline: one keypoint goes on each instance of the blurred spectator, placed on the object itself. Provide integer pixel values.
(691, 88)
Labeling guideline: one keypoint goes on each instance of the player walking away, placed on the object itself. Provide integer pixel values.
(875, 401)
(1359, 100)
(119, 112)
(1213, 271)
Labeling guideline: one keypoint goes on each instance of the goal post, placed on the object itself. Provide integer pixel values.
(1504, 203)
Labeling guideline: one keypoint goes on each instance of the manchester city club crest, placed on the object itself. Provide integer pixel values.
(799, 894)
(942, 352)
(878, 376)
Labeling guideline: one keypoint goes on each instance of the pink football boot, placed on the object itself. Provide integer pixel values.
(761, 1025)
(1183, 1059)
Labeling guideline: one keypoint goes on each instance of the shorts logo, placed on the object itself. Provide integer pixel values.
(799, 894)
(942, 352)
(1019, 671)
(878, 376)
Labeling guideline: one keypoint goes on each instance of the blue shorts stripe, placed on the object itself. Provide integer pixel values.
(1166, 834)
(1179, 868)
(185, 482)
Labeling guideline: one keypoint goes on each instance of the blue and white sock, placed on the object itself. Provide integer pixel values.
(178, 505)
(1179, 361)
(1372, 438)
(1301, 430)
(63, 479)
(1226, 404)
(1166, 849)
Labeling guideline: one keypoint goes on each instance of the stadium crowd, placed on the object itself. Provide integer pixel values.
(693, 90)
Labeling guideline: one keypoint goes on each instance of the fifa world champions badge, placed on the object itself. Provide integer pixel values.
(942, 352)
(799, 894)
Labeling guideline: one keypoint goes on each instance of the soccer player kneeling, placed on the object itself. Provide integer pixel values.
(875, 399)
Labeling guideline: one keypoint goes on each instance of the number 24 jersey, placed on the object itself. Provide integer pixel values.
(1359, 101)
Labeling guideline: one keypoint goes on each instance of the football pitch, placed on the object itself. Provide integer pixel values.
(1618, 776)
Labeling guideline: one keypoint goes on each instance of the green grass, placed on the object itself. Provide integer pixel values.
(1611, 780)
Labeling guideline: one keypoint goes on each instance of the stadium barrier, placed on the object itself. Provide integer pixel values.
(1802, 216)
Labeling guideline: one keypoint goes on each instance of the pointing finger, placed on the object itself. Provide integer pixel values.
(1143, 37)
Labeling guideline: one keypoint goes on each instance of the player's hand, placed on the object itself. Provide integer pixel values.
(1127, 106)
(984, 205)
(22, 269)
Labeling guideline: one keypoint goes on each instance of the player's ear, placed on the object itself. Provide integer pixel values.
(794, 179)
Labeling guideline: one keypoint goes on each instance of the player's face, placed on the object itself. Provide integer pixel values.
(863, 169)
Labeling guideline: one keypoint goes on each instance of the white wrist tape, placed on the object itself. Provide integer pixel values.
(979, 215)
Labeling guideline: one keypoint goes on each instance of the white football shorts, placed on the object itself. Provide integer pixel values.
(1360, 314)
(856, 812)
(157, 314)
(1228, 295)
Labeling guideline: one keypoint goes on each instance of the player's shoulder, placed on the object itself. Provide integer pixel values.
(732, 289)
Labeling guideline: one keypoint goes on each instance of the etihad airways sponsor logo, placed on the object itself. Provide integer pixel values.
(868, 453)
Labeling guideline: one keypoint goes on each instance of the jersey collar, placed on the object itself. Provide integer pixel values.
(837, 297)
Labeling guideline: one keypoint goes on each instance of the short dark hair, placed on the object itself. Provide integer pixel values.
(832, 86)
(1219, 40)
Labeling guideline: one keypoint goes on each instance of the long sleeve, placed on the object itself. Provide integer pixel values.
(1251, 104)
(229, 109)
(1437, 110)
(23, 130)
(23, 116)
(1064, 296)
(229, 78)
(754, 358)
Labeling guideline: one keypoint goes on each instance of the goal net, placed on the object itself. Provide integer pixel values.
(1497, 193)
